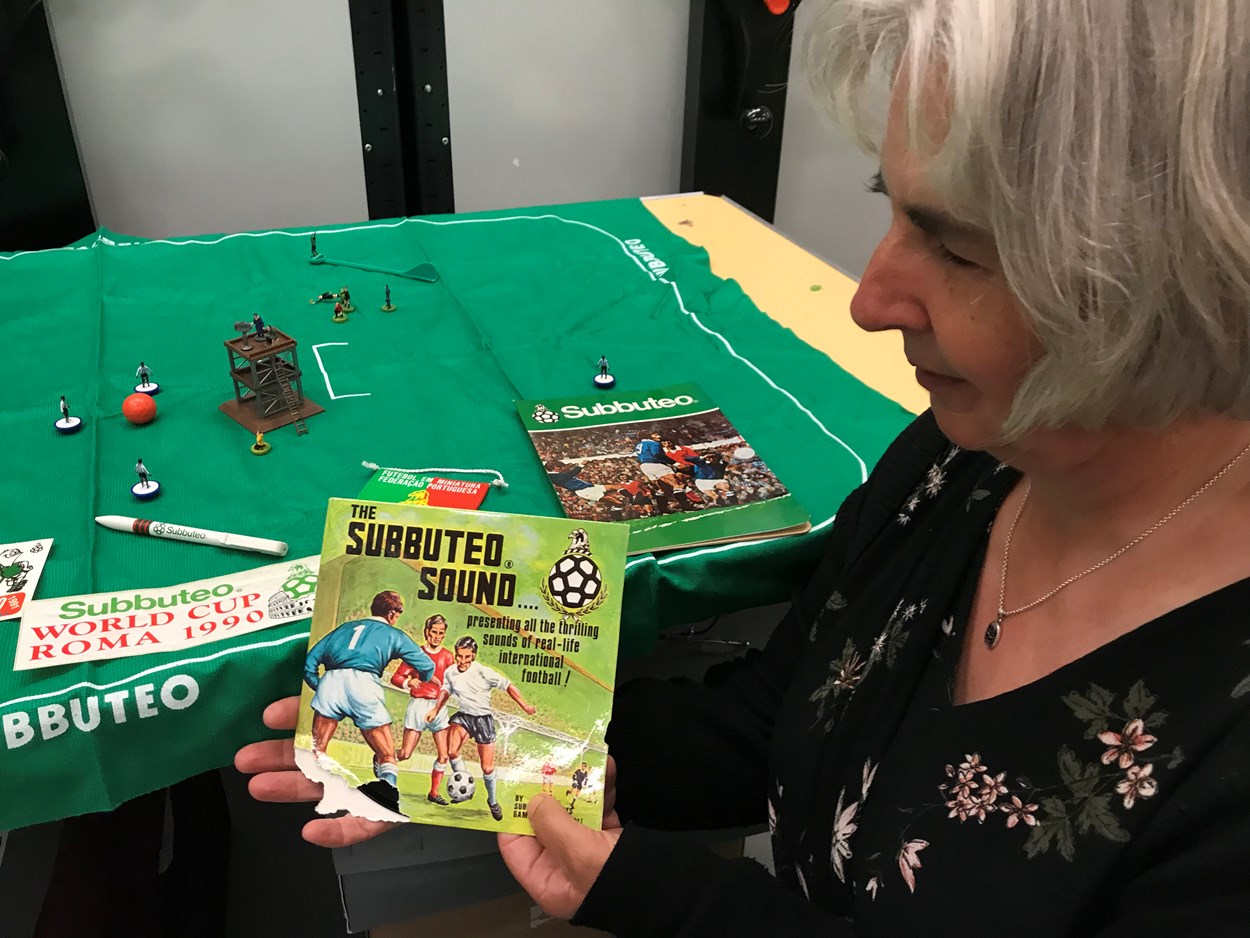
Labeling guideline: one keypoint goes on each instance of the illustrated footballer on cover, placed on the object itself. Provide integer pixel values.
(460, 662)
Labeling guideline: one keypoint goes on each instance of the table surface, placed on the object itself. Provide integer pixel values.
(526, 302)
(779, 276)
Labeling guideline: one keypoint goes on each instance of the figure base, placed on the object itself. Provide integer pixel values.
(68, 425)
(146, 491)
(389, 307)
(260, 449)
(150, 388)
(604, 382)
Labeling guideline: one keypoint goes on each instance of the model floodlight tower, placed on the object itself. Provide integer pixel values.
(268, 383)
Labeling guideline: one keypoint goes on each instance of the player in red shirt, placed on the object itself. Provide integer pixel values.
(424, 695)
(549, 775)
(680, 455)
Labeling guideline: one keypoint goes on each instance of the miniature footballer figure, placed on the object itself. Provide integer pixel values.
(67, 424)
(312, 245)
(424, 695)
(258, 324)
(471, 683)
(339, 315)
(146, 385)
(354, 656)
(346, 297)
(324, 297)
(146, 488)
(260, 447)
(603, 379)
(388, 306)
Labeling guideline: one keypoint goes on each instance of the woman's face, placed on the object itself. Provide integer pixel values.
(940, 284)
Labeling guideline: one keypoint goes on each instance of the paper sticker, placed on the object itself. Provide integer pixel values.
(20, 568)
(74, 629)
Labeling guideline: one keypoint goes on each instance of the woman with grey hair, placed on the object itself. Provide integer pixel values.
(1015, 697)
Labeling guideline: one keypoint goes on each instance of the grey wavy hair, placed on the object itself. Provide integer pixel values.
(1105, 145)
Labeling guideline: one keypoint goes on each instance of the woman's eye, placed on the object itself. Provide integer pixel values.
(951, 257)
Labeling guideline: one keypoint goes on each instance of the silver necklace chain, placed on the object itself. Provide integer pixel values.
(993, 631)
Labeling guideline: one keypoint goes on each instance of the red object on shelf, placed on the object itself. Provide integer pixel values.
(777, 7)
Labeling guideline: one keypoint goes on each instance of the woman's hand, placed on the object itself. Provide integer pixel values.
(559, 864)
(281, 780)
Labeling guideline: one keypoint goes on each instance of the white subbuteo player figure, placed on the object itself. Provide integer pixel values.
(146, 487)
(67, 424)
(471, 683)
(146, 385)
(604, 379)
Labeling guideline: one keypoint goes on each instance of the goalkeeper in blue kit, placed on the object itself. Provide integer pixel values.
(354, 656)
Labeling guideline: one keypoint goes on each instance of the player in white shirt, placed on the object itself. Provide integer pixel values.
(471, 684)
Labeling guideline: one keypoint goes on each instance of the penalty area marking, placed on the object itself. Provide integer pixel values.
(325, 375)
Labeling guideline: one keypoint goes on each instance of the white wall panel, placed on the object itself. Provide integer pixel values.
(564, 100)
(195, 116)
(822, 202)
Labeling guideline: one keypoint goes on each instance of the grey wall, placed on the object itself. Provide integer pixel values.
(200, 116)
(822, 202)
(565, 100)
(226, 115)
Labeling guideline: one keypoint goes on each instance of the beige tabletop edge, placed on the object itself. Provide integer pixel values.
(780, 278)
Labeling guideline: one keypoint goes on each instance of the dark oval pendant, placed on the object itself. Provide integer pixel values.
(992, 633)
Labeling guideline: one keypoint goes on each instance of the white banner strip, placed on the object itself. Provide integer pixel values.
(73, 629)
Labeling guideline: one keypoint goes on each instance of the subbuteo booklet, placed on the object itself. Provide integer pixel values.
(667, 461)
(460, 662)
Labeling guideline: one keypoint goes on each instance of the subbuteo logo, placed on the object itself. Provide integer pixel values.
(542, 415)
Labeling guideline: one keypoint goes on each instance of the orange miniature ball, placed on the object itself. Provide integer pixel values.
(139, 408)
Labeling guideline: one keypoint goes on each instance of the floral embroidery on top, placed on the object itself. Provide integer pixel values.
(844, 825)
(887, 644)
(1126, 745)
(1137, 784)
(929, 487)
(849, 669)
(909, 861)
(846, 822)
(1115, 776)
(975, 792)
(845, 673)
